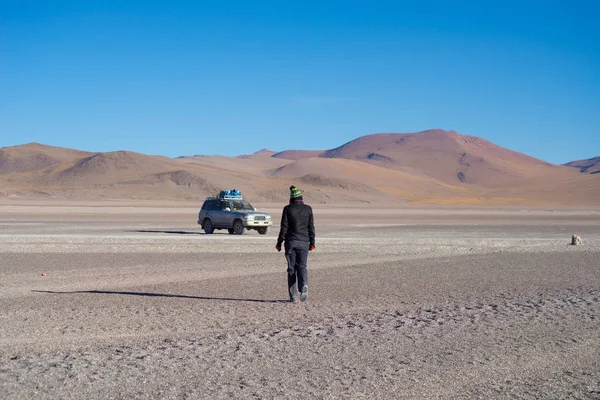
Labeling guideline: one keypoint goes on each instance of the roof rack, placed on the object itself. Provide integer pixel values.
(232, 194)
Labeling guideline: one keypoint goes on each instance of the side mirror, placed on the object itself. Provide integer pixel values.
(227, 209)
(254, 208)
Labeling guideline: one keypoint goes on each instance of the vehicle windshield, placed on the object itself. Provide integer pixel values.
(240, 205)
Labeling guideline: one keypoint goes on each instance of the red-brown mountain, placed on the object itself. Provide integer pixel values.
(446, 156)
(433, 166)
(589, 166)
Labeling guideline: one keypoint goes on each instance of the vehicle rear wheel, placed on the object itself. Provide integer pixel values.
(263, 230)
(208, 227)
(238, 228)
(231, 231)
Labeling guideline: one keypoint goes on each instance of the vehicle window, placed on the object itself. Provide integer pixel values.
(234, 205)
(211, 205)
(240, 205)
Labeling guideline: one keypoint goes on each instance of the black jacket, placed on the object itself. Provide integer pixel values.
(297, 224)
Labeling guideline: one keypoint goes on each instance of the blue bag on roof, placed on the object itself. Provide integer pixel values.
(233, 193)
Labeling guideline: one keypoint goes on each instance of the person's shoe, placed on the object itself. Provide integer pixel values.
(293, 299)
(304, 293)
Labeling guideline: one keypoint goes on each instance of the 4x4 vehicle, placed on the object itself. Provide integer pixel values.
(230, 211)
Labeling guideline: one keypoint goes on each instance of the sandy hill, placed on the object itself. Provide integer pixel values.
(434, 166)
(250, 163)
(35, 158)
(106, 165)
(298, 154)
(36, 170)
(589, 166)
(396, 183)
(446, 156)
(444, 167)
(264, 152)
(258, 154)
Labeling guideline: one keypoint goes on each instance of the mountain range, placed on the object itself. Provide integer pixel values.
(428, 167)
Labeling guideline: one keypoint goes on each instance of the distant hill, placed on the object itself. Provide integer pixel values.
(298, 154)
(264, 152)
(432, 167)
(447, 156)
(259, 153)
(589, 166)
(36, 158)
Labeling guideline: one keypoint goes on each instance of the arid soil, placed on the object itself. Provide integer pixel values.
(122, 300)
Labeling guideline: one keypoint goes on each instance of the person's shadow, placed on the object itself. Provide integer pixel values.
(147, 294)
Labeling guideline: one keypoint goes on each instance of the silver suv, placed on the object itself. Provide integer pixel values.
(234, 214)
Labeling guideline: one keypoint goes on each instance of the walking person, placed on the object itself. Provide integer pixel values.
(298, 232)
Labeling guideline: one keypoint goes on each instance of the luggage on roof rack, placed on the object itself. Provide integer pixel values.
(230, 194)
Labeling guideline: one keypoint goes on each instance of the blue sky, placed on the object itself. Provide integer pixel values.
(231, 77)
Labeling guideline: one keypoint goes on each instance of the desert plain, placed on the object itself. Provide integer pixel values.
(124, 299)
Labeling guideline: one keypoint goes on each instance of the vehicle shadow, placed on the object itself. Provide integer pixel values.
(147, 294)
(170, 232)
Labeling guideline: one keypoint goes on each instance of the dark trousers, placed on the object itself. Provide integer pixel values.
(296, 253)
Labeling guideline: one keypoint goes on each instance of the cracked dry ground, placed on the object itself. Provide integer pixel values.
(213, 324)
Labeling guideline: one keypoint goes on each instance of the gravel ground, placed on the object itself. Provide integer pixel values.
(404, 303)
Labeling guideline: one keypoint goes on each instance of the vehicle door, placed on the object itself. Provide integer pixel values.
(212, 211)
(225, 214)
(219, 215)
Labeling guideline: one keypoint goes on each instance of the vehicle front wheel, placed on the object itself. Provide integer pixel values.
(238, 228)
(208, 226)
(263, 231)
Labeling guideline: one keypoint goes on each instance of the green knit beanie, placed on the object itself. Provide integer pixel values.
(295, 192)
